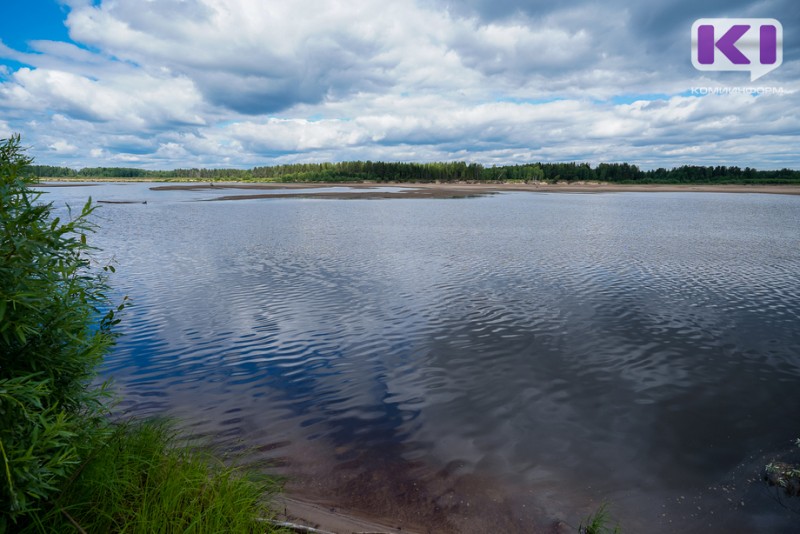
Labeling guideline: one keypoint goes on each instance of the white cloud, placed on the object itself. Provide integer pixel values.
(566, 129)
(516, 50)
(63, 147)
(134, 102)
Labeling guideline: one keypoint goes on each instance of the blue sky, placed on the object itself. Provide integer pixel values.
(32, 19)
(238, 83)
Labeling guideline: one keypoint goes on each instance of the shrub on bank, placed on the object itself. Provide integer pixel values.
(52, 336)
(63, 466)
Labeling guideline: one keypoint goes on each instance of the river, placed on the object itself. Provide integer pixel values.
(492, 364)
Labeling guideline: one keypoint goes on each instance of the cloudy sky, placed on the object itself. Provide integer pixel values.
(238, 83)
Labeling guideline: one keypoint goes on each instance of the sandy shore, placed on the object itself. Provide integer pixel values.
(230, 191)
(332, 520)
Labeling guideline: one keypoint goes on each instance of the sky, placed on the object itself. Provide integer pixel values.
(163, 84)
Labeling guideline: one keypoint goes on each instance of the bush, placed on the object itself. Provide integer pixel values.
(55, 327)
(64, 466)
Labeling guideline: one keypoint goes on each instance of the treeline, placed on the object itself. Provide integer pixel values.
(49, 171)
(379, 171)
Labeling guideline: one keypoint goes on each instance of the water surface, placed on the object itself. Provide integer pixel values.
(474, 365)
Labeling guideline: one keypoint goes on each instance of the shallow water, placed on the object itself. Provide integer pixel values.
(497, 363)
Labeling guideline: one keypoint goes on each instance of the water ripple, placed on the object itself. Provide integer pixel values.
(555, 343)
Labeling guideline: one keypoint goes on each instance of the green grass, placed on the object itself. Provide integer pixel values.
(598, 523)
(141, 481)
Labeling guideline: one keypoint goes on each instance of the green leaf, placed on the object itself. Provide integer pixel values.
(21, 334)
(50, 340)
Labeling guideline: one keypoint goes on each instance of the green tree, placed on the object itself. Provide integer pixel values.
(55, 327)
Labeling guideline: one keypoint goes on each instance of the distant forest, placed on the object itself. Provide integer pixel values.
(356, 171)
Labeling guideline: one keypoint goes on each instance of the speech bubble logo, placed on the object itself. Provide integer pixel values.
(753, 45)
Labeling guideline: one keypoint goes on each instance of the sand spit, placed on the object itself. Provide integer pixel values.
(457, 190)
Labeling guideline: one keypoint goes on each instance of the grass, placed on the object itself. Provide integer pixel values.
(598, 523)
(785, 475)
(141, 481)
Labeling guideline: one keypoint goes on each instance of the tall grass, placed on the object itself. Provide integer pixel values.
(140, 480)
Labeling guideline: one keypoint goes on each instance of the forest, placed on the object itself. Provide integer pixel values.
(379, 171)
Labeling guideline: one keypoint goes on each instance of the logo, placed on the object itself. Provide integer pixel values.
(754, 45)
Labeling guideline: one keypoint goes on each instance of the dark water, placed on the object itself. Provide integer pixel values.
(478, 365)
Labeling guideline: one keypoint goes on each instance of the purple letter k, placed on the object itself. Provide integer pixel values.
(726, 44)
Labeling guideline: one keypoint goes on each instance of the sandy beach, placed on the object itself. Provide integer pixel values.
(331, 520)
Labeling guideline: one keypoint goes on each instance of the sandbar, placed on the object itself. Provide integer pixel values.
(366, 191)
